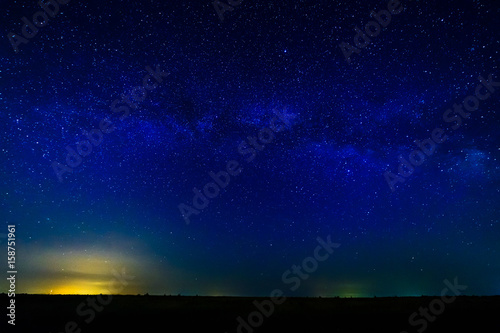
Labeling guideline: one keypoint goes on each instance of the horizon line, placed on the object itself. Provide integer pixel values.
(232, 296)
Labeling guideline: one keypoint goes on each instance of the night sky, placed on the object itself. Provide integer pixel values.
(311, 135)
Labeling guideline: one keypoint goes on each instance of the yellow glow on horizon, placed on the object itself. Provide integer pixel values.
(78, 271)
(78, 287)
(81, 287)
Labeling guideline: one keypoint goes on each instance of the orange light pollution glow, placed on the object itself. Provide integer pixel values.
(82, 272)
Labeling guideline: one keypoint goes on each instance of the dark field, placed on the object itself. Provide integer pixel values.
(42, 313)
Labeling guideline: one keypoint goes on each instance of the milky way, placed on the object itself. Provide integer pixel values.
(116, 115)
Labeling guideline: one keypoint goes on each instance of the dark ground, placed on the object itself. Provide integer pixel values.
(44, 314)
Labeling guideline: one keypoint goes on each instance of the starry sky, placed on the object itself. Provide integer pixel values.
(214, 86)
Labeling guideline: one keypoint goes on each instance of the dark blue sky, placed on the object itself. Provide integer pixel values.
(216, 87)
